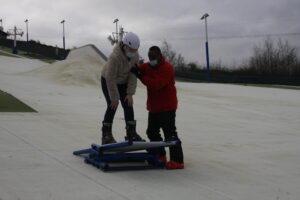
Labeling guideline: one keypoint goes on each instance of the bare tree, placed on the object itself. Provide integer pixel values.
(192, 66)
(177, 60)
(168, 53)
(274, 60)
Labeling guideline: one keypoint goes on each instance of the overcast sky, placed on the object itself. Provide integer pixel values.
(234, 26)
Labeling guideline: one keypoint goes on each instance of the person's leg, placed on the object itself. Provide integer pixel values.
(107, 136)
(128, 110)
(169, 129)
(153, 132)
(131, 133)
(110, 113)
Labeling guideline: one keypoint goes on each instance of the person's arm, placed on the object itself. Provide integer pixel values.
(111, 77)
(132, 82)
(132, 78)
(160, 80)
(131, 87)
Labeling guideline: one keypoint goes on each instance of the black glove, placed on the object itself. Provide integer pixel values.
(136, 71)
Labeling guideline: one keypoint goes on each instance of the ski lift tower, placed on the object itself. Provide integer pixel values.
(15, 32)
(118, 35)
(114, 37)
(121, 33)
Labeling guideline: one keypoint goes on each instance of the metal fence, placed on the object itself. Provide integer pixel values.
(225, 78)
(37, 48)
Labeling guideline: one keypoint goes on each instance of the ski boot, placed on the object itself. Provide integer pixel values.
(131, 134)
(107, 137)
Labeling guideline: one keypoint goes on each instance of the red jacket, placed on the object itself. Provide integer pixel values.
(160, 83)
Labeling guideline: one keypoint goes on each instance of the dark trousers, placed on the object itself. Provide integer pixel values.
(166, 121)
(110, 113)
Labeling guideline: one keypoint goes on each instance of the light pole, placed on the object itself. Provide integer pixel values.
(206, 47)
(63, 23)
(26, 21)
(116, 21)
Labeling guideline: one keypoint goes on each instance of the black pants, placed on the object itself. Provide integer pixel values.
(110, 113)
(166, 121)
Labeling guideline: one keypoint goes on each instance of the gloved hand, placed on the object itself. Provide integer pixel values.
(136, 71)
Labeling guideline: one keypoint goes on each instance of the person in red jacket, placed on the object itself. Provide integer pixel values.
(159, 78)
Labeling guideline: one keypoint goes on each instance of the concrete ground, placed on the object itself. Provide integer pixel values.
(239, 142)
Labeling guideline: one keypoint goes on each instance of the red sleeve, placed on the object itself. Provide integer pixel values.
(142, 68)
(160, 79)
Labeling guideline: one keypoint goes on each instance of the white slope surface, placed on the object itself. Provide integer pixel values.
(239, 142)
(81, 68)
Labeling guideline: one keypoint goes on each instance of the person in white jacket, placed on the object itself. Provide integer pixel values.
(119, 85)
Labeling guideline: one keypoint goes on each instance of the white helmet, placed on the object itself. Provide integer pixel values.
(131, 40)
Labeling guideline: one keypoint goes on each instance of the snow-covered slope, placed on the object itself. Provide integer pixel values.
(82, 67)
(240, 143)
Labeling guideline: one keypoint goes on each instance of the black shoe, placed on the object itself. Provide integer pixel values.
(172, 138)
(107, 137)
(134, 137)
(131, 134)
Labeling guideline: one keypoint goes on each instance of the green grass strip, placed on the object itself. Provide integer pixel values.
(9, 103)
(2, 53)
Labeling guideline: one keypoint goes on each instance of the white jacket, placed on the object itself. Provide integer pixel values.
(117, 71)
